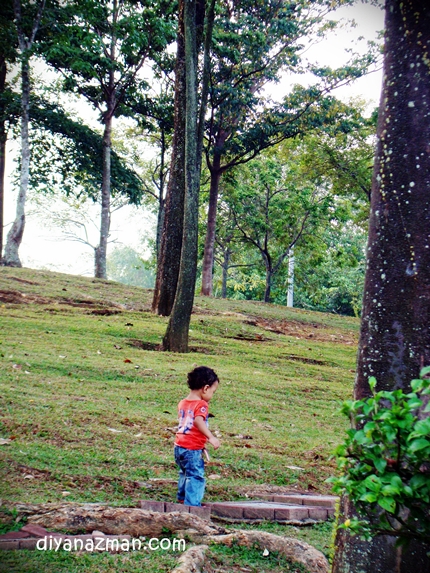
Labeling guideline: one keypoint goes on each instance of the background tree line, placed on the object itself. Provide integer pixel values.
(275, 176)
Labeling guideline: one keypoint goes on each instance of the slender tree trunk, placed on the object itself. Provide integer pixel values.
(176, 337)
(169, 257)
(3, 139)
(14, 237)
(268, 288)
(225, 265)
(161, 199)
(395, 332)
(208, 257)
(101, 249)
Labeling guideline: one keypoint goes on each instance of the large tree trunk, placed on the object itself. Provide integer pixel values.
(3, 139)
(169, 256)
(101, 250)
(176, 337)
(14, 237)
(208, 257)
(395, 332)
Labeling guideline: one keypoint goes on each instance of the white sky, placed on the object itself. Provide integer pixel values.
(44, 248)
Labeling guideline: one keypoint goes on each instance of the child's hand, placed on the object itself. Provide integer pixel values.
(214, 442)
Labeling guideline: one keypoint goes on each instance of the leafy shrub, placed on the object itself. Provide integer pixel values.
(385, 462)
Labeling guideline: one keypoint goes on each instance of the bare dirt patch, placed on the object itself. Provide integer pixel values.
(97, 307)
(23, 281)
(136, 343)
(16, 297)
(305, 360)
(298, 329)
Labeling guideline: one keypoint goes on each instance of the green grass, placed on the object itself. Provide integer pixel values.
(69, 377)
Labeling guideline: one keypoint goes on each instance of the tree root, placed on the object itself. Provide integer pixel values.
(192, 560)
(293, 549)
(75, 518)
(88, 517)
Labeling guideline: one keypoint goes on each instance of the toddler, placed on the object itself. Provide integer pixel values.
(193, 433)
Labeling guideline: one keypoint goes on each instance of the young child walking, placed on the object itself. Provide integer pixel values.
(193, 433)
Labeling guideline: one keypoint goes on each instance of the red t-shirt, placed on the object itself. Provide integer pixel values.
(188, 436)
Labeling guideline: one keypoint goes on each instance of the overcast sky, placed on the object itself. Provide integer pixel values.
(44, 248)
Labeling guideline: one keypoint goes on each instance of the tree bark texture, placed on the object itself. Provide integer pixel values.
(171, 237)
(3, 139)
(208, 257)
(14, 237)
(225, 267)
(176, 337)
(395, 332)
(101, 250)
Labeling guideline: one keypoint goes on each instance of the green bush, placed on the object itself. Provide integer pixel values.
(385, 462)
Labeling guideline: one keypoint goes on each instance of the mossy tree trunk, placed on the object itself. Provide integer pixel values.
(395, 331)
(169, 255)
(176, 337)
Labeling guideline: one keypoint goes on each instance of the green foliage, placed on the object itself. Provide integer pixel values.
(329, 271)
(72, 157)
(99, 47)
(385, 462)
(126, 266)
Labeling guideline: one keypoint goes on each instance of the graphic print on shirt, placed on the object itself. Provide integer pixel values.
(186, 418)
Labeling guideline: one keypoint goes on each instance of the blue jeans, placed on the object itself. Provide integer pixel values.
(191, 484)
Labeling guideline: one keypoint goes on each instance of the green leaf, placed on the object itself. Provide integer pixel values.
(373, 482)
(380, 464)
(369, 497)
(424, 371)
(420, 444)
(372, 383)
(422, 428)
(388, 504)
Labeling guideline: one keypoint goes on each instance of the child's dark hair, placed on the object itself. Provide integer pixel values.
(200, 377)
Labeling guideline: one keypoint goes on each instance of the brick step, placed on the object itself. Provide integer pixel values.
(271, 511)
(302, 510)
(167, 507)
(301, 499)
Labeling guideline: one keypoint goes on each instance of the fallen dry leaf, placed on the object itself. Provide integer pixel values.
(4, 441)
(115, 431)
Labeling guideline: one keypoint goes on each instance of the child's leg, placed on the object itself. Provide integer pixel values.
(195, 478)
(181, 481)
(191, 484)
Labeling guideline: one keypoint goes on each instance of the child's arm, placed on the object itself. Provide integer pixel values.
(200, 424)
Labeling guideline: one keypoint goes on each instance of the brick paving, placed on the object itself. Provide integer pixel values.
(303, 508)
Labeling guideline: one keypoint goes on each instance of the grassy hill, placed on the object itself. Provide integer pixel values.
(88, 400)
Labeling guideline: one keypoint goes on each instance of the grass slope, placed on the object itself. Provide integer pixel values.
(89, 402)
